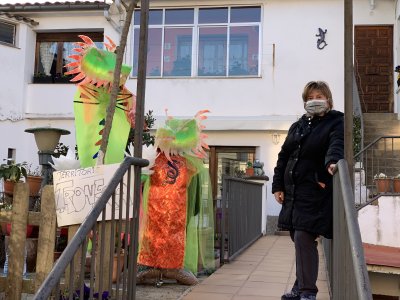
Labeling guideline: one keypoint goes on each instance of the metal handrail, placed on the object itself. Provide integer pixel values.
(346, 265)
(79, 238)
(382, 155)
(374, 142)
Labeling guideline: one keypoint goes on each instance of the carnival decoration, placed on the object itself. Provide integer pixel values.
(94, 70)
(177, 229)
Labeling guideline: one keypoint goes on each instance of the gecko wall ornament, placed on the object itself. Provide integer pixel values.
(321, 44)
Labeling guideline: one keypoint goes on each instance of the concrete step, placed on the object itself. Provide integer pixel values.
(379, 116)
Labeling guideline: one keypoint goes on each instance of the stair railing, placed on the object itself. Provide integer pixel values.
(381, 158)
(344, 254)
(69, 279)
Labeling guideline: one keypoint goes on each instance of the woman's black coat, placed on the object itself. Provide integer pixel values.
(311, 145)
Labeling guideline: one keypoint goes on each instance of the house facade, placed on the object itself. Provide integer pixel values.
(246, 61)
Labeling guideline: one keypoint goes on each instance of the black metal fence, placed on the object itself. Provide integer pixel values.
(377, 167)
(79, 273)
(344, 254)
(241, 216)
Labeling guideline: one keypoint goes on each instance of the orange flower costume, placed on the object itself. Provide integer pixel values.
(177, 229)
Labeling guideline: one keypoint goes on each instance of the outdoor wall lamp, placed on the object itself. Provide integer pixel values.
(276, 137)
(46, 139)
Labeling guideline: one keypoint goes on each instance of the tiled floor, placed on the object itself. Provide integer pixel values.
(263, 272)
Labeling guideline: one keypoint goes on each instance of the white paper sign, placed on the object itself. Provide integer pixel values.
(76, 192)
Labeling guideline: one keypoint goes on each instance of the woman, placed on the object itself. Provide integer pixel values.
(302, 182)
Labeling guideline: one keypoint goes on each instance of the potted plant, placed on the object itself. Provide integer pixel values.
(12, 172)
(62, 78)
(396, 184)
(42, 78)
(382, 183)
(34, 179)
(249, 169)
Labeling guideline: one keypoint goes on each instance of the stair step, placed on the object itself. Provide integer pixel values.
(379, 116)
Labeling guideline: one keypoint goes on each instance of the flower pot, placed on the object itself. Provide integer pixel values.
(250, 172)
(9, 187)
(383, 185)
(35, 183)
(396, 185)
(116, 273)
(29, 230)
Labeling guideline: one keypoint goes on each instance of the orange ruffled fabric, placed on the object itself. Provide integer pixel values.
(163, 242)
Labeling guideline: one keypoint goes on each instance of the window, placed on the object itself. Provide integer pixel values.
(220, 41)
(7, 33)
(53, 51)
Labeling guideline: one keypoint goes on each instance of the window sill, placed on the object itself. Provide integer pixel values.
(52, 80)
(201, 77)
(9, 45)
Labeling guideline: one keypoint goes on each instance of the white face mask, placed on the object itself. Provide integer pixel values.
(316, 107)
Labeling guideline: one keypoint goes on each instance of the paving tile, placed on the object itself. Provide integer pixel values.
(271, 279)
(271, 273)
(264, 271)
(218, 289)
(323, 296)
(208, 296)
(250, 257)
(262, 289)
(261, 251)
(322, 286)
(253, 298)
(275, 268)
(230, 280)
(216, 276)
(234, 271)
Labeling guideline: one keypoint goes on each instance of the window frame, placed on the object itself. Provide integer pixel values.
(14, 34)
(196, 26)
(60, 38)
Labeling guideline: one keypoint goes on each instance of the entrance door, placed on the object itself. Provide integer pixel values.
(373, 55)
(229, 161)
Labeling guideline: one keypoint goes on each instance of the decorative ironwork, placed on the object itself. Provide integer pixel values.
(321, 44)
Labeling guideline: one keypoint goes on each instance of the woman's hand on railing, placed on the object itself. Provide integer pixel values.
(279, 197)
(332, 169)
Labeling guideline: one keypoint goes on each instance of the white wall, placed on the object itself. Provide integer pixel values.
(383, 13)
(12, 76)
(278, 91)
(13, 136)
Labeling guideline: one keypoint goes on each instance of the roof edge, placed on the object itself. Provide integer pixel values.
(57, 6)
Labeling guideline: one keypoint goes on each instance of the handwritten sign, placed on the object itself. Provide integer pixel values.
(76, 192)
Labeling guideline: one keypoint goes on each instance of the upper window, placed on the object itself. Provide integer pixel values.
(7, 33)
(53, 51)
(220, 41)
